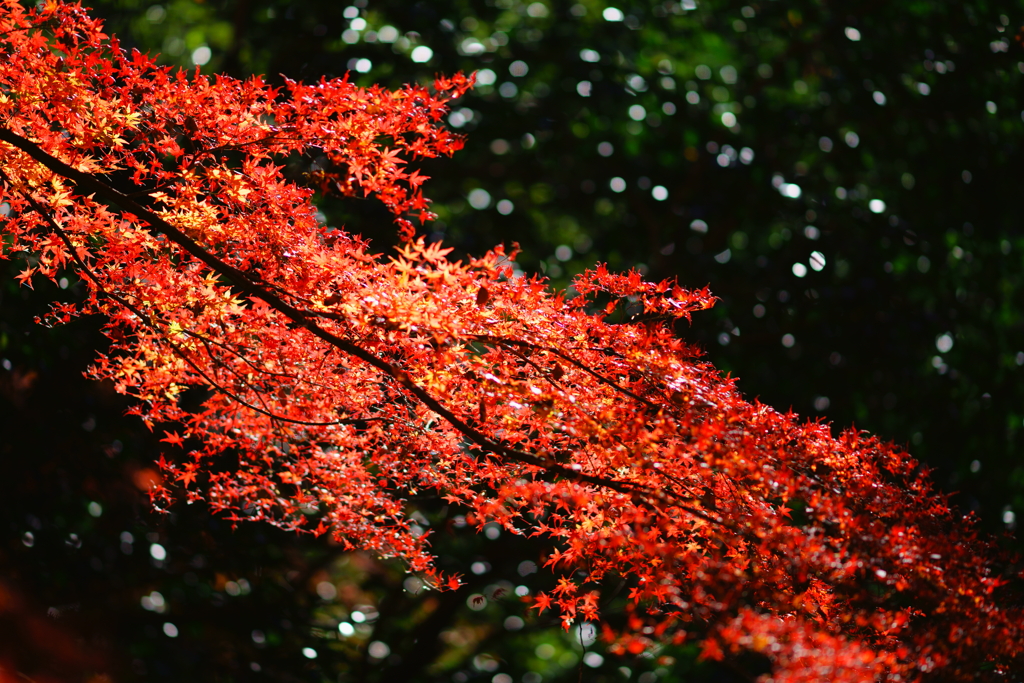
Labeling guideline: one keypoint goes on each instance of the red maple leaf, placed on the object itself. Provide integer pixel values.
(188, 474)
(173, 438)
(541, 602)
(25, 277)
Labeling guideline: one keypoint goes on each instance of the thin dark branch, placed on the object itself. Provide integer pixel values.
(142, 318)
(568, 359)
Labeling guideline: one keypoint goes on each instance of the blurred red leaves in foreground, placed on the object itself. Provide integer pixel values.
(339, 382)
(30, 638)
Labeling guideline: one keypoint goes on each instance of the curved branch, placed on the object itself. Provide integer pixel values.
(141, 316)
(89, 183)
(572, 361)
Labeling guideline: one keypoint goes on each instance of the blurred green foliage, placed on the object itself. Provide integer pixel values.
(845, 176)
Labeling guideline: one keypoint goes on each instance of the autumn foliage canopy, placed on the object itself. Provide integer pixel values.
(339, 382)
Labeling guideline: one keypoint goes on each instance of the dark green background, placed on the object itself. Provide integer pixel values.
(944, 257)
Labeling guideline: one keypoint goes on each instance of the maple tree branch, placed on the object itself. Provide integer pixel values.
(70, 246)
(401, 376)
(227, 348)
(273, 137)
(502, 341)
(142, 318)
(569, 359)
(238, 399)
(88, 182)
(679, 483)
(540, 371)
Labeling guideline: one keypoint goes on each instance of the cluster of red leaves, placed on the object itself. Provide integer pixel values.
(338, 383)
